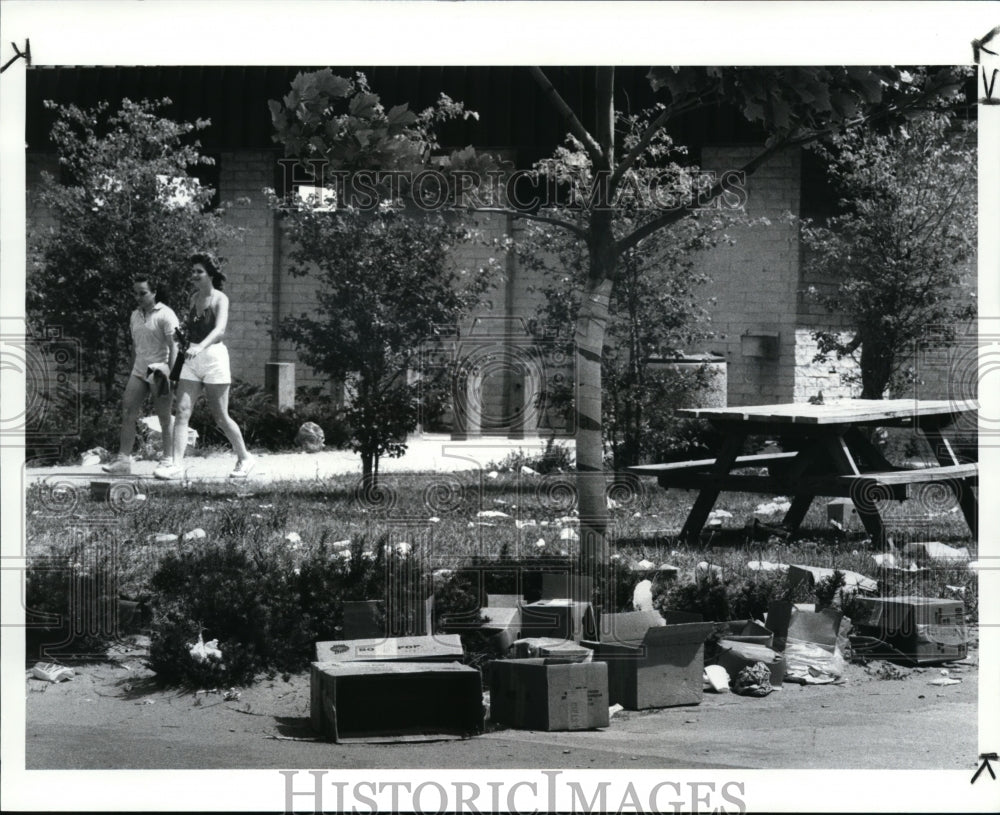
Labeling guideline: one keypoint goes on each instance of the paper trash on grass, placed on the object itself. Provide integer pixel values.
(931, 552)
(491, 513)
(773, 507)
(50, 672)
(766, 566)
(195, 534)
(163, 537)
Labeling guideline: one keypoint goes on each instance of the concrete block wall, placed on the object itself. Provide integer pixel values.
(249, 260)
(755, 283)
(832, 377)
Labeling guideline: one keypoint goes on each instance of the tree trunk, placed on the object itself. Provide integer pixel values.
(369, 475)
(591, 488)
(876, 369)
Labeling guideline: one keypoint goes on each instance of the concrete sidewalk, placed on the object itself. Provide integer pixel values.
(426, 453)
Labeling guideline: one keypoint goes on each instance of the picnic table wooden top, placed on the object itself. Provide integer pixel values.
(845, 411)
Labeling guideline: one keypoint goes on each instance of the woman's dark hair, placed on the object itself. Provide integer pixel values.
(211, 266)
(151, 282)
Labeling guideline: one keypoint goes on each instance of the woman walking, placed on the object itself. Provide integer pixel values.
(152, 326)
(206, 367)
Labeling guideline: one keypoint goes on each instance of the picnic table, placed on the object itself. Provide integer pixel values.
(830, 456)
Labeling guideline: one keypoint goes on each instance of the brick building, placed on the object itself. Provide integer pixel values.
(763, 324)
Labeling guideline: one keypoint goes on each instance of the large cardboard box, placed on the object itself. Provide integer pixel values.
(925, 630)
(375, 701)
(663, 669)
(439, 648)
(628, 626)
(559, 619)
(540, 694)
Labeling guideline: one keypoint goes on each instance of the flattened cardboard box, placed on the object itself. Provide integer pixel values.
(663, 669)
(389, 701)
(439, 648)
(536, 694)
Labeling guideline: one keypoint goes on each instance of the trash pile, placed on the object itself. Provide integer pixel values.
(558, 666)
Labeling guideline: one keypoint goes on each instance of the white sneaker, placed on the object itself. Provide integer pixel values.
(122, 465)
(168, 472)
(243, 468)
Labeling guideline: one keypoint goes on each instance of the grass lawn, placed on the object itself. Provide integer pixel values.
(449, 519)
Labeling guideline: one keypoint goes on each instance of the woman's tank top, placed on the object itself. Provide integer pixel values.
(200, 324)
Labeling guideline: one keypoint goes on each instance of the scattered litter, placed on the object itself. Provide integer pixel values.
(645, 565)
(568, 519)
(934, 552)
(568, 535)
(265, 506)
(540, 543)
(717, 678)
(231, 695)
(146, 702)
(957, 589)
(434, 520)
(344, 544)
(163, 537)
(50, 672)
(202, 651)
(720, 513)
(526, 470)
(293, 537)
(766, 566)
(195, 534)
(853, 581)
(614, 710)
(637, 515)
(772, 507)
(642, 596)
(754, 680)
(885, 670)
(945, 680)
(704, 569)
(523, 524)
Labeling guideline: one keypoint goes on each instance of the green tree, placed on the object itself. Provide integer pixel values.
(127, 201)
(657, 305)
(900, 249)
(387, 288)
(793, 106)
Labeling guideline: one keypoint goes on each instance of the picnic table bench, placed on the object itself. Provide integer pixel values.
(832, 457)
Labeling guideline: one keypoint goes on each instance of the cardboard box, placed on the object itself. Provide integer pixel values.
(559, 619)
(504, 600)
(843, 511)
(735, 656)
(439, 648)
(538, 694)
(364, 619)
(565, 650)
(378, 701)
(787, 621)
(811, 575)
(566, 585)
(924, 630)
(629, 626)
(749, 631)
(663, 669)
(504, 626)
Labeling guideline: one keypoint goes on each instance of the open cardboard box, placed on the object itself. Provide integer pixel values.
(661, 668)
(439, 648)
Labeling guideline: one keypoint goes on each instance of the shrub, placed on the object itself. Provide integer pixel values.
(71, 602)
(99, 424)
(247, 600)
(555, 458)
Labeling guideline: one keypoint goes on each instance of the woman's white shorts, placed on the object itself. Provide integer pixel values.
(211, 366)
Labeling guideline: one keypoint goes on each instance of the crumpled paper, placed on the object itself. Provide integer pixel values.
(754, 680)
(202, 651)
